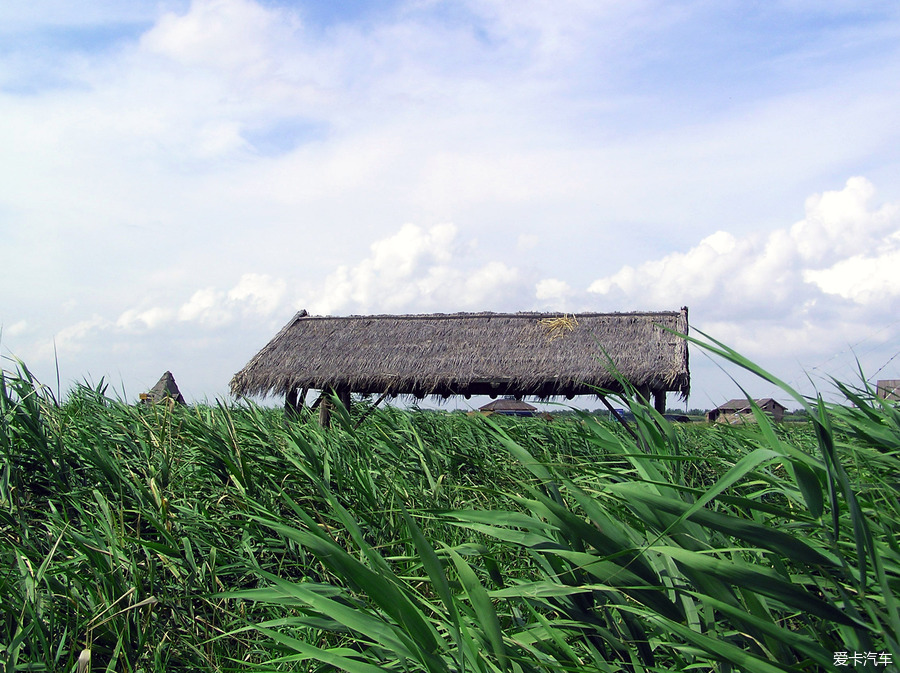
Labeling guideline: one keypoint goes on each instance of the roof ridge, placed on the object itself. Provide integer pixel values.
(480, 314)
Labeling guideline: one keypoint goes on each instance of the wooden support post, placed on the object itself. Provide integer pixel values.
(325, 404)
(644, 393)
(344, 396)
(618, 417)
(324, 409)
(659, 401)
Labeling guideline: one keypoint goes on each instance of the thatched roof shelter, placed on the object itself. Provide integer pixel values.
(165, 387)
(497, 354)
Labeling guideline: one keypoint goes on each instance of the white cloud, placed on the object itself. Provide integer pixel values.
(867, 280)
(258, 293)
(790, 287)
(495, 283)
(206, 306)
(417, 269)
(697, 274)
(414, 269)
(839, 224)
(806, 337)
(553, 292)
(134, 319)
(400, 255)
(254, 295)
(218, 34)
(72, 339)
(16, 329)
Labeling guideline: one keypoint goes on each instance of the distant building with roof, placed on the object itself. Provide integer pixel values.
(888, 389)
(741, 411)
(509, 406)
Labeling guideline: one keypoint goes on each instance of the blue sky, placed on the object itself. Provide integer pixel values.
(177, 178)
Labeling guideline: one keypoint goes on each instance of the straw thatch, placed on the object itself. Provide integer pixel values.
(164, 388)
(497, 354)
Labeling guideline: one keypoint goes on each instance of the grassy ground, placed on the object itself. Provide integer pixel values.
(158, 538)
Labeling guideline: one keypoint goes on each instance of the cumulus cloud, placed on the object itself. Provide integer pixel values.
(206, 306)
(864, 279)
(135, 319)
(696, 274)
(258, 293)
(73, 337)
(416, 269)
(217, 33)
(254, 294)
(833, 268)
(840, 224)
(17, 328)
(553, 292)
(495, 283)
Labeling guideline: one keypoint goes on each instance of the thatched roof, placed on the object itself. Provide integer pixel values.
(539, 354)
(165, 387)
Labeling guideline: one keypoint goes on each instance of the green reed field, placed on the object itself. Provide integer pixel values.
(223, 538)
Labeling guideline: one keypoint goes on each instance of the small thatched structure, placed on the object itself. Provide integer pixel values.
(498, 354)
(164, 388)
(508, 407)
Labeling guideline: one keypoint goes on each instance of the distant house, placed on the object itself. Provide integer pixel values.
(739, 411)
(889, 389)
(164, 388)
(508, 407)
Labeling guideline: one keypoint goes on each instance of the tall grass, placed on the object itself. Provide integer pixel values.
(226, 537)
